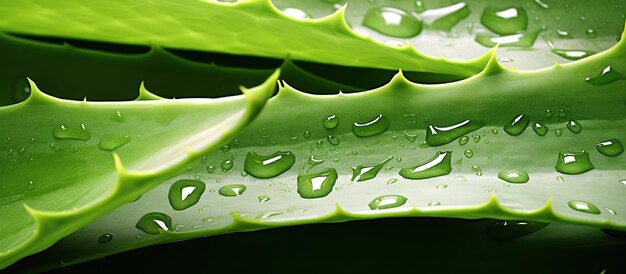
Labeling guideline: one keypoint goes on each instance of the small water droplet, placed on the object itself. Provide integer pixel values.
(363, 173)
(494, 131)
(610, 148)
(573, 54)
(558, 133)
(508, 230)
(226, 165)
(153, 222)
(504, 21)
(442, 186)
(105, 238)
(438, 165)
(477, 170)
(71, 132)
(210, 169)
(392, 181)
(387, 201)
(463, 140)
(541, 4)
(583, 206)
(392, 22)
(548, 113)
(110, 143)
(540, 128)
(517, 125)
(268, 166)
(333, 140)
(319, 144)
(317, 185)
(185, 193)
(514, 176)
(307, 134)
(607, 76)
(573, 163)
(436, 136)
(266, 215)
(264, 198)
(574, 126)
(330, 121)
(468, 153)
(560, 179)
(410, 136)
(32, 140)
(376, 126)
(476, 138)
(591, 33)
(234, 190)
(434, 203)
(225, 148)
(10, 151)
(610, 211)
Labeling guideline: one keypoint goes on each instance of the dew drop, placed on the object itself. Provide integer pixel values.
(70, 132)
(226, 165)
(153, 222)
(610, 148)
(330, 121)
(392, 22)
(307, 134)
(387, 201)
(10, 151)
(591, 33)
(573, 163)
(468, 153)
(526, 39)
(185, 193)
(436, 136)
(573, 54)
(548, 113)
(476, 138)
(110, 143)
(514, 176)
(234, 190)
(517, 125)
(105, 238)
(558, 133)
(540, 128)
(583, 206)
(607, 76)
(268, 166)
(210, 169)
(333, 140)
(434, 203)
(574, 126)
(317, 185)
(363, 173)
(477, 170)
(374, 127)
(392, 181)
(410, 136)
(504, 21)
(264, 198)
(509, 230)
(438, 165)
(463, 140)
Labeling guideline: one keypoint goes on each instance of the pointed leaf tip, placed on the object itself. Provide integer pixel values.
(493, 65)
(145, 94)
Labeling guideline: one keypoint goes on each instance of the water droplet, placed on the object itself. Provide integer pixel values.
(153, 222)
(573, 163)
(111, 143)
(374, 127)
(540, 128)
(419, 6)
(317, 185)
(607, 76)
(333, 140)
(434, 203)
(591, 33)
(583, 206)
(463, 140)
(387, 201)
(363, 173)
(504, 21)
(410, 136)
(70, 132)
(330, 121)
(514, 176)
(508, 230)
(225, 148)
(32, 140)
(573, 54)
(526, 39)
(105, 238)
(10, 151)
(441, 186)
(319, 144)
(185, 193)
(611, 148)
(541, 4)
(295, 13)
(266, 215)
(468, 153)
(477, 170)
(392, 22)
(263, 198)
(445, 18)
(118, 117)
(476, 138)
(574, 126)
(548, 113)
(210, 169)
(610, 211)
(494, 131)
(233, 190)
(558, 133)
(268, 166)
(438, 165)
(307, 134)
(392, 181)
(517, 125)
(436, 136)
(226, 165)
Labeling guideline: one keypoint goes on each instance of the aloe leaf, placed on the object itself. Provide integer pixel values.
(323, 139)
(66, 163)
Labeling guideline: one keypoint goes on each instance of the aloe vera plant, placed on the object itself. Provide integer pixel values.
(540, 146)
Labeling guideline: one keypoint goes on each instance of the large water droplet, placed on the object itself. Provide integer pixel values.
(445, 18)
(111, 143)
(363, 173)
(374, 127)
(517, 125)
(583, 206)
(436, 136)
(526, 39)
(387, 201)
(439, 165)
(573, 54)
(540, 128)
(233, 190)
(607, 76)
(185, 193)
(508, 230)
(574, 126)
(573, 163)
(153, 222)
(514, 176)
(317, 185)
(105, 238)
(71, 132)
(611, 148)
(268, 166)
(504, 21)
(392, 22)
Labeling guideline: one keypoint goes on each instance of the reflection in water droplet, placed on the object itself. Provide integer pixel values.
(517, 125)
(110, 143)
(387, 201)
(392, 22)
(504, 21)
(573, 54)
(374, 127)
(317, 185)
(583, 206)
(607, 76)
(185, 193)
(153, 222)
(226, 165)
(514, 176)
(363, 173)
(233, 190)
(71, 132)
(610, 148)
(268, 166)
(508, 230)
(573, 163)
(438, 165)
(540, 128)
(105, 238)
(574, 126)
(436, 136)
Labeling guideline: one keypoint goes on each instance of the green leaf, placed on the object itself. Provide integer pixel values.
(58, 169)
